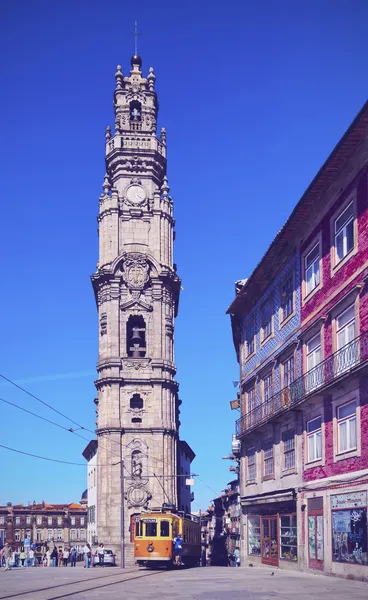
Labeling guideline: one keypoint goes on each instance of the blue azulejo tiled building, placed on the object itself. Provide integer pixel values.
(268, 335)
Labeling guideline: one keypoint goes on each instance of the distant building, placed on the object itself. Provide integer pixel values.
(90, 454)
(61, 525)
(185, 458)
(300, 330)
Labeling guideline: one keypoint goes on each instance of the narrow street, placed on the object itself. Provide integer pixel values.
(212, 583)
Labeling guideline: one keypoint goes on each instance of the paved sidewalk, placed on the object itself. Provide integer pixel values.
(210, 583)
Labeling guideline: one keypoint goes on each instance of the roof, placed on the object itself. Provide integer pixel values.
(43, 506)
(186, 449)
(284, 240)
(90, 450)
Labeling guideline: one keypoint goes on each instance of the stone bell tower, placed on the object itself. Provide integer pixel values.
(137, 293)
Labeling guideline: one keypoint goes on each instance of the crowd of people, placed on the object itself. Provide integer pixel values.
(56, 557)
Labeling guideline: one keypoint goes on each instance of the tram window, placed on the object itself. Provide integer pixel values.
(138, 528)
(175, 528)
(151, 529)
(165, 529)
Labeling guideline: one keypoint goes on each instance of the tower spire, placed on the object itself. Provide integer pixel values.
(136, 34)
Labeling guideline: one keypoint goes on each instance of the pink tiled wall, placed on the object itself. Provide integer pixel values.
(330, 285)
(350, 464)
(356, 262)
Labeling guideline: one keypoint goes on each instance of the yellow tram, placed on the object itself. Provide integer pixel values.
(153, 533)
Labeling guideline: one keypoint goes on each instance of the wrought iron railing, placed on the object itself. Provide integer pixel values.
(337, 365)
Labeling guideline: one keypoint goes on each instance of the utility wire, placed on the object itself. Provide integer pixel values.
(65, 462)
(39, 400)
(70, 430)
(35, 415)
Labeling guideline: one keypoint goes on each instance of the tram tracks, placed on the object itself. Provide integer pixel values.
(81, 586)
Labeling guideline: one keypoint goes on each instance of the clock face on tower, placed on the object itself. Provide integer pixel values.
(136, 194)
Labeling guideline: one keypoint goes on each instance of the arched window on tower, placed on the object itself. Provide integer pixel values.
(135, 111)
(136, 406)
(136, 337)
(136, 402)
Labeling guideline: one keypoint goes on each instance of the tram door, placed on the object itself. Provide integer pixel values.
(269, 541)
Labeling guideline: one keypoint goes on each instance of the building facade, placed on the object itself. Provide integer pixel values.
(300, 329)
(90, 453)
(137, 293)
(185, 458)
(61, 525)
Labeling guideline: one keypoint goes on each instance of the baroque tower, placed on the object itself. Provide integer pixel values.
(137, 294)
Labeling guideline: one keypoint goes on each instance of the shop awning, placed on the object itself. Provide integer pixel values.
(268, 498)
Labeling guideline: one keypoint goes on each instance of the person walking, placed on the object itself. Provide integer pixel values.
(65, 557)
(31, 556)
(22, 557)
(54, 557)
(101, 555)
(73, 557)
(48, 556)
(236, 557)
(89, 555)
(60, 557)
(178, 548)
(85, 555)
(7, 553)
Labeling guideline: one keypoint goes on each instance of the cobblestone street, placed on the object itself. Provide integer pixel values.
(211, 583)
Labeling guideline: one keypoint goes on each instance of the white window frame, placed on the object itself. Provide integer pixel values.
(267, 327)
(251, 398)
(347, 422)
(38, 535)
(72, 520)
(267, 390)
(82, 521)
(28, 520)
(290, 373)
(17, 520)
(251, 452)
(316, 272)
(313, 379)
(38, 520)
(59, 521)
(2, 520)
(17, 535)
(283, 315)
(289, 436)
(250, 341)
(313, 435)
(270, 446)
(343, 230)
(49, 520)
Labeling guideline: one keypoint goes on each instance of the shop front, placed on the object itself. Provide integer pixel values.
(337, 530)
(271, 532)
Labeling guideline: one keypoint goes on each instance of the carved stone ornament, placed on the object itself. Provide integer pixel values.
(103, 323)
(137, 495)
(135, 271)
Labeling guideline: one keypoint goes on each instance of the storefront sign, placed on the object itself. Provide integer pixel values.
(350, 500)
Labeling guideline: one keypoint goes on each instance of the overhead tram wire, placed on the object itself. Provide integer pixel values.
(74, 433)
(70, 430)
(67, 462)
(39, 400)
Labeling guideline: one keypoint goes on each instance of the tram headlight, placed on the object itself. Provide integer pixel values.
(150, 548)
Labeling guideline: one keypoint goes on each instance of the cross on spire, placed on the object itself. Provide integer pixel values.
(136, 34)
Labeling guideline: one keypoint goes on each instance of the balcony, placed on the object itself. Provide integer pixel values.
(349, 358)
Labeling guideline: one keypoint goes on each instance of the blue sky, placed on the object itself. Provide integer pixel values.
(254, 96)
